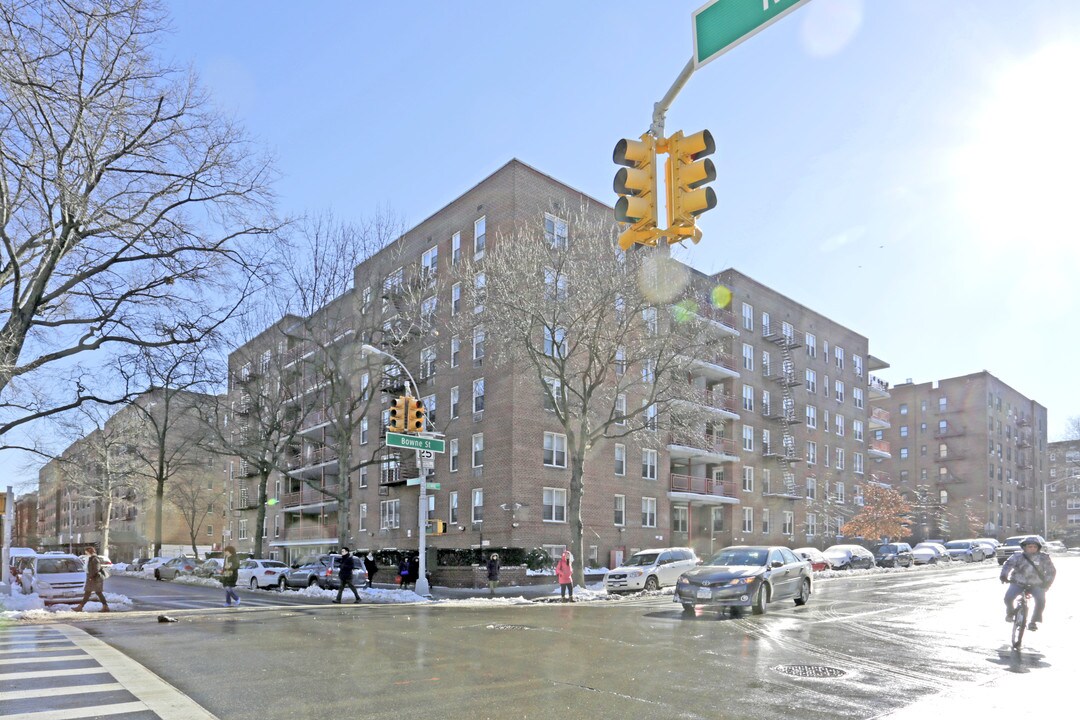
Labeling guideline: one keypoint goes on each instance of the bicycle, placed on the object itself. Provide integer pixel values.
(1020, 615)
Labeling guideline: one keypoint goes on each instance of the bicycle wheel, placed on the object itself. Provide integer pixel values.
(1019, 625)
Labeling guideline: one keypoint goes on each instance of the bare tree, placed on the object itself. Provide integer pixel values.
(195, 496)
(1072, 428)
(101, 467)
(128, 206)
(598, 332)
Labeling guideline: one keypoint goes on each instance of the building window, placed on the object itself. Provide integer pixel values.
(858, 460)
(748, 520)
(555, 232)
(811, 381)
(389, 514)
(839, 492)
(620, 459)
(942, 404)
(903, 431)
(856, 360)
(455, 248)
(555, 342)
(811, 345)
(620, 361)
(478, 395)
(839, 458)
(903, 408)
(903, 453)
(748, 438)
(718, 520)
(748, 479)
(857, 396)
(648, 512)
(478, 450)
(478, 346)
(455, 402)
(648, 464)
(554, 450)
(765, 527)
(554, 505)
(455, 351)
(839, 352)
(479, 237)
(839, 392)
(748, 398)
(679, 519)
(453, 518)
(243, 530)
(620, 409)
(363, 431)
(747, 357)
(811, 488)
(480, 289)
(789, 523)
(620, 510)
(857, 428)
(811, 452)
(648, 317)
(453, 455)
(747, 317)
(839, 424)
(811, 524)
(811, 416)
(478, 505)
(552, 391)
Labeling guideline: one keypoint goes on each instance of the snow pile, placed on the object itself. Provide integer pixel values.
(193, 580)
(936, 567)
(368, 595)
(18, 606)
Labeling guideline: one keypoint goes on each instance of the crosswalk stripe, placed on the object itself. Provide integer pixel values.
(83, 712)
(12, 695)
(51, 658)
(28, 646)
(38, 674)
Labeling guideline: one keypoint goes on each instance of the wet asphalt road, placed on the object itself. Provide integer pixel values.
(896, 639)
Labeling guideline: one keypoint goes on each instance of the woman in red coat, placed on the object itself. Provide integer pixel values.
(564, 573)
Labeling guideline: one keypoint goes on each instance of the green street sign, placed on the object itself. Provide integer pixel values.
(414, 442)
(722, 24)
(416, 482)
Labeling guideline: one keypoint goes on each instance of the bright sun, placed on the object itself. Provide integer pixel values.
(1018, 176)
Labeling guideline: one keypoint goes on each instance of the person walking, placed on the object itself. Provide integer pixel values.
(493, 573)
(230, 571)
(95, 581)
(371, 567)
(345, 575)
(403, 572)
(414, 569)
(564, 573)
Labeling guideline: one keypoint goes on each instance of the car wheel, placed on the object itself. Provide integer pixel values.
(254, 584)
(157, 576)
(804, 593)
(932, 561)
(312, 581)
(688, 607)
(1001, 561)
(761, 601)
(652, 584)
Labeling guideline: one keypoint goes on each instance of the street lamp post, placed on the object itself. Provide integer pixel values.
(421, 584)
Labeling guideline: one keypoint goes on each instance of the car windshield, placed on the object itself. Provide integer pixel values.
(957, 545)
(886, 548)
(740, 556)
(642, 559)
(59, 565)
(838, 551)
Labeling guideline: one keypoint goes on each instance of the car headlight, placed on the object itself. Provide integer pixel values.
(742, 581)
(683, 580)
(634, 574)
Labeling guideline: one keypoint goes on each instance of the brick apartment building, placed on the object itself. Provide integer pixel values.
(1063, 492)
(24, 531)
(782, 459)
(972, 452)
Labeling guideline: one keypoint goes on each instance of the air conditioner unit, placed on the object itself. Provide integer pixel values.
(478, 416)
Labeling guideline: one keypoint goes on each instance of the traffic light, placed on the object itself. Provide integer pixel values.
(416, 416)
(688, 170)
(438, 527)
(636, 183)
(399, 409)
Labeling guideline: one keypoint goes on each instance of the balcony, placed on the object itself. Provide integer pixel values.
(725, 404)
(722, 318)
(312, 458)
(951, 455)
(703, 447)
(718, 366)
(317, 419)
(307, 497)
(880, 419)
(310, 531)
(879, 389)
(879, 449)
(701, 489)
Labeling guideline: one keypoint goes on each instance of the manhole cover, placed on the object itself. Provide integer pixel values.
(507, 627)
(810, 671)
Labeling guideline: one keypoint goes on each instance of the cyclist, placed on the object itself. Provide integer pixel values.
(1032, 568)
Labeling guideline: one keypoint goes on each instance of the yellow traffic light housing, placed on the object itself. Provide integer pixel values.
(399, 409)
(417, 416)
(438, 527)
(636, 184)
(688, 170)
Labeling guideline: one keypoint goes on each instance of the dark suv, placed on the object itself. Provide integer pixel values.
(321, 570)
(893, 555)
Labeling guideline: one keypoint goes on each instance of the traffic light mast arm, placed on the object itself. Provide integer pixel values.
(660, 109)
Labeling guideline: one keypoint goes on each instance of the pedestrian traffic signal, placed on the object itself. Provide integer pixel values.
(687, 172)
(416, 415)
(399, 409)
(636, 184)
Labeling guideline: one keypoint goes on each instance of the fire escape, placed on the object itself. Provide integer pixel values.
(785, 417)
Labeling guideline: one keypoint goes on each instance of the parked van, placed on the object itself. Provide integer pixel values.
(18, 559)
(55, 578)
(650, 570)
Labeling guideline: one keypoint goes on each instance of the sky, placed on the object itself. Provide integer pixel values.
(908, 169)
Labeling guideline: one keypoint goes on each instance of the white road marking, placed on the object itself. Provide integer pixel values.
(38, 674)
(58, 691)
(83, 712)
(53, 658)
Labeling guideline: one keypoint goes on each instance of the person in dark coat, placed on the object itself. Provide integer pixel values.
(371, 567)
(403, 573)
(95, 581)
(348, 565)
(230, 571)
(414, 569)
(493, 573)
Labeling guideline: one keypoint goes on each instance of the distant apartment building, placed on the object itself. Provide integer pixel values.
(1063, 491)
(71, 508)
(782, 456)
(970, 453)
(24, 531)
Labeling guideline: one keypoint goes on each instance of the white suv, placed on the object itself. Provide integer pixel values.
(55, 577)
(650, 570)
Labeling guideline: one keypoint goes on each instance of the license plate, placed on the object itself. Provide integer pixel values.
(704, 593)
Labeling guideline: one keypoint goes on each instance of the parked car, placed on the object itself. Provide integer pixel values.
(1056, 547)
(210, 568)
(321, 570)
(153, 563)
(650, 570)
(177, 566)
(989, 541)
(1010, 546)
(966, 550)
(928, 553)
(849, 557)
(55, 577)
(257, 574)
(897, 554)
(989, 547)
(746, 576)
(813, 556)
(18, 558)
